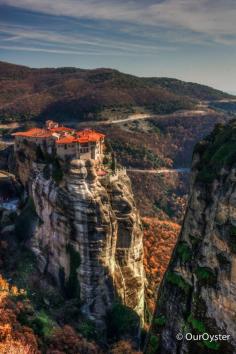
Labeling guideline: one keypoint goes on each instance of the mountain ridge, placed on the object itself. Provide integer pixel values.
(92, 94)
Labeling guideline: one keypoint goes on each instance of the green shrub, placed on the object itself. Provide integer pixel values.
(220, 152)
(160, 321)
(137, 153)
(163, 204)
(211, 345)
(184, 251)
(177, 280)
(42, 324)
(87, 329)
(26, 264)
(147, 314)
(196, 324)
(153, 344)
(206, 175)
(232, 230)
(121, 321)
(206, 276)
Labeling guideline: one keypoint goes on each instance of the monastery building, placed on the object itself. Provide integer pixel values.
(66, 143)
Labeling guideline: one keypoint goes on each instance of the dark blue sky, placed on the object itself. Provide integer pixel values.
(194, 40)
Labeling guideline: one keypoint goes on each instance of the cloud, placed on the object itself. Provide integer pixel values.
(58, 51)
(68, 51)
(45, 50)
(212, 17)
(25, 34)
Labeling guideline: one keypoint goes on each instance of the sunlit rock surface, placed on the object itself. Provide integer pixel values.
(89, 238)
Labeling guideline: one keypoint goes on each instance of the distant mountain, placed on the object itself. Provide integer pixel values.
(71, 93)
(190, 89)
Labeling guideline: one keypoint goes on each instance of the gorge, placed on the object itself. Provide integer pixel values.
(198, 293)
(84, 245)
(86, 234)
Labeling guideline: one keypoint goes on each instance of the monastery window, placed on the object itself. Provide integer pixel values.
(65, 147)
(84, 149)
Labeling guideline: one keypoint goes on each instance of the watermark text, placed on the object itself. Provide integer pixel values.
(203, 337)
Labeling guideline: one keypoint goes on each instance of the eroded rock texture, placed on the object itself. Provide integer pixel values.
(198, 293)
(90, 237)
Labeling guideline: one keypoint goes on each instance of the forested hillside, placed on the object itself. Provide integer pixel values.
(76, 94)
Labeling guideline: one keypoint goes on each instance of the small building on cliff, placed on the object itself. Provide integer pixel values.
(66, 143)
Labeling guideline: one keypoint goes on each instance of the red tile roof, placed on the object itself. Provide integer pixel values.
(66, 140)
(34, 133)
(88, 135)
(82, 137)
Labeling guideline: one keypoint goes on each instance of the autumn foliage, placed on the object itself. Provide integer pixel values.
(123, 347)
(159, 240)
(66, 341)
(14, 338)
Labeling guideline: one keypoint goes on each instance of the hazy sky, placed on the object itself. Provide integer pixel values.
(194, 40)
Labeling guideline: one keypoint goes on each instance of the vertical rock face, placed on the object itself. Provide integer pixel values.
(198, 294)
(90, 237)
(7, 158)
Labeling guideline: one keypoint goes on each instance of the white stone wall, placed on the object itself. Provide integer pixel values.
(83, 152)
(66, 150)
(85, 155)
(47, 143)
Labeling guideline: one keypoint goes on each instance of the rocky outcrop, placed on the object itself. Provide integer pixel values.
(198, 294)
(25, 157)
(89, 238)
(10, 189)
(10, 193)
(7, 157)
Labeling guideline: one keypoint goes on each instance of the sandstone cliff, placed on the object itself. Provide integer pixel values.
(198, 294)
(89, 238)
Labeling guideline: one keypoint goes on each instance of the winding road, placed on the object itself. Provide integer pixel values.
(133, 117)
(160, 170)
(148, 116)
